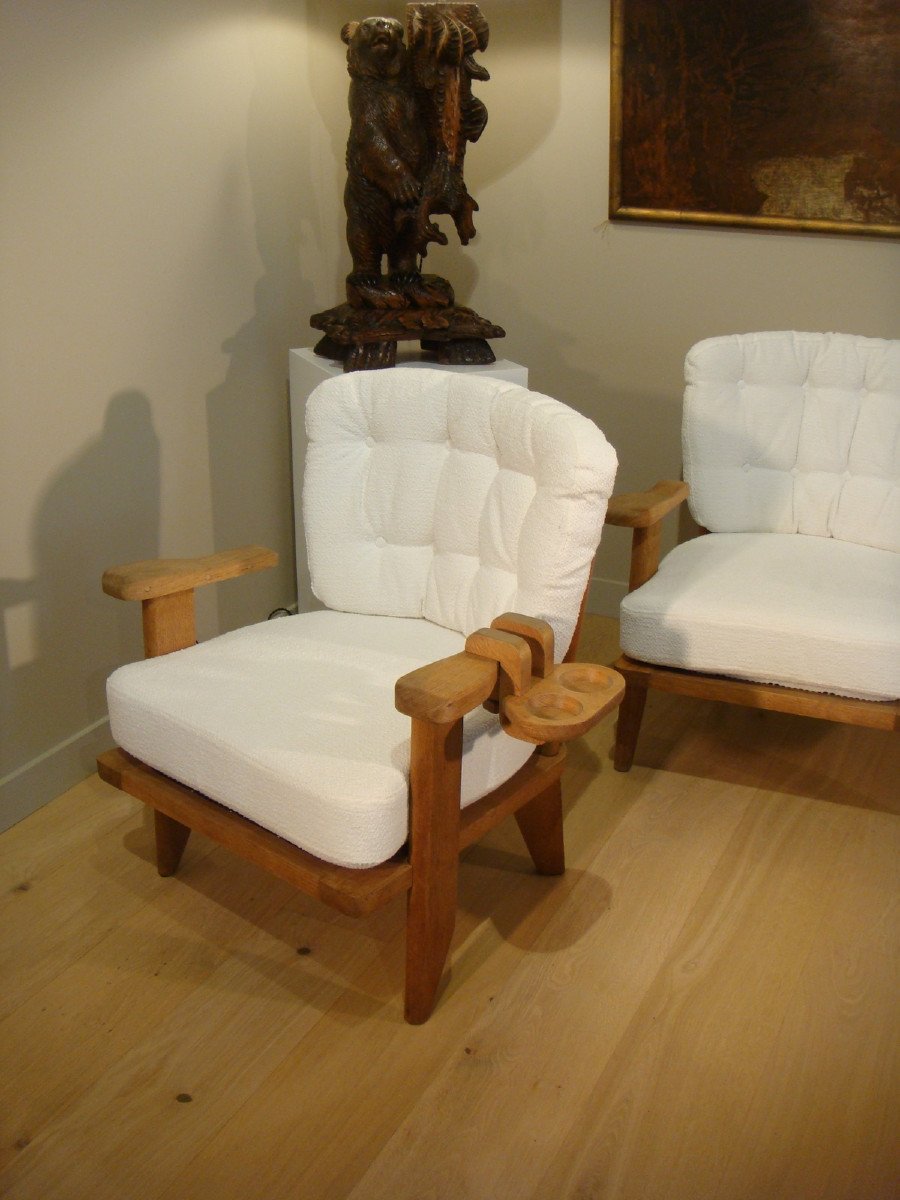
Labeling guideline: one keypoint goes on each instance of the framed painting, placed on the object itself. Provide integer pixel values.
(783, 114)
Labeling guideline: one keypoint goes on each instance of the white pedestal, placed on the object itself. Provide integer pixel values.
(308, 370)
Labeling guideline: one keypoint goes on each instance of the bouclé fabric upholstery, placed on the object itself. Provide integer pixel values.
(433, 502)
(792, 452)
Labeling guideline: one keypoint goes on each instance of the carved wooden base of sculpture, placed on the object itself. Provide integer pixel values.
(363, 334)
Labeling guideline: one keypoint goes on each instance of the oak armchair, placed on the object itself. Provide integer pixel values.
(790, 598)
(356, 750)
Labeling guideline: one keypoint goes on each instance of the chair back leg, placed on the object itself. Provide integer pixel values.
(540, 822)
(171, 839)
(631, 713)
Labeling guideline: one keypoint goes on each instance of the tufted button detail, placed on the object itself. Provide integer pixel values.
(745, 466)
(379, 541)
(370, 441)
(795, 471)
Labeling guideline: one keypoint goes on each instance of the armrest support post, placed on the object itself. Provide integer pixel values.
(645, 551)
(642, 512)
(168, 623)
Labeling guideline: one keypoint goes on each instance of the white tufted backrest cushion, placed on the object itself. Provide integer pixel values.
(451, 497)
(795, 433)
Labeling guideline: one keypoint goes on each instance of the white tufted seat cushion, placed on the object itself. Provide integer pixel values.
(792, 452)
(806, 612)
(292, 723)
(432, 503)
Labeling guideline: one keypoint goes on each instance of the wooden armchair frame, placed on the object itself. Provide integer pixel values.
(508, 667)
(643, 512)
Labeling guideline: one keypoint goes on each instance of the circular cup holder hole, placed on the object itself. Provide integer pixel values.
(551, 706)
(584, 679)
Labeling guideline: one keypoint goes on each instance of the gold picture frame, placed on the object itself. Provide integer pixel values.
(780, 114)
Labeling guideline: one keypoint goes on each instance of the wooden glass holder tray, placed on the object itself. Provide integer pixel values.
(537, 701)
(564, 704)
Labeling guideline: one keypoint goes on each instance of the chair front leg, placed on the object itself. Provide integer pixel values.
(435, 773)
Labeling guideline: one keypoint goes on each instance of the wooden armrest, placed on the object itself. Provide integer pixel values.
(554, 706)
(638, 510)
(165, 576)
(446, 690)
(509, 651)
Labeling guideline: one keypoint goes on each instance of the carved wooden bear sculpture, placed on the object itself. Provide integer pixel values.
(387, 155)
(411, 114)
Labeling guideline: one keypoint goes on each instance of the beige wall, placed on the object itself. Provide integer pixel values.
(171, 216)
(169, 220)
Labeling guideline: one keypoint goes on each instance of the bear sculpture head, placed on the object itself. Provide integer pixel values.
(375, 48)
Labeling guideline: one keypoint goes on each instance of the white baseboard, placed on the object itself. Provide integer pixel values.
(36, 783)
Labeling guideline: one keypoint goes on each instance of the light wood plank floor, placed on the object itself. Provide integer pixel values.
(704, 1006)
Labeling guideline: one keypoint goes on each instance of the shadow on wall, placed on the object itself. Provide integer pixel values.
(60, 636)
(329, 85)
(525, 52)
(248, 416)
(523, 98)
